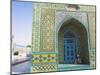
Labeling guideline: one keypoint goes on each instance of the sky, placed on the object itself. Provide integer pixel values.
(22, 22)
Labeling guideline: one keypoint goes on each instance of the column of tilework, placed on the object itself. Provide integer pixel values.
(47, 30)
(91, 16)
(36, 29)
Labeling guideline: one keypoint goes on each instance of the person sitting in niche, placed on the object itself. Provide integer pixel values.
(78, 59)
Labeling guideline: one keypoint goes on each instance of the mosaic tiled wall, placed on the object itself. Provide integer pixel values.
(36, 29)
(47, 30)
(46, 21)
(91, 19)
(92, 32)
(44, 62)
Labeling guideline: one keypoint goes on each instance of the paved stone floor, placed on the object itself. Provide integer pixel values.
(21, 68)
(25, 67)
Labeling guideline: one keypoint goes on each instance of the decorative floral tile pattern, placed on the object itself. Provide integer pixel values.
(43, 58)
(44, 62)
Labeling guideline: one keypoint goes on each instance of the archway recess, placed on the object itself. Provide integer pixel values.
(75, 31)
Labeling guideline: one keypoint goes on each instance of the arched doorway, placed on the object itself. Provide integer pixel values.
(73, 43)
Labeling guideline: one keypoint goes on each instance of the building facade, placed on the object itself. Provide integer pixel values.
(63, 37)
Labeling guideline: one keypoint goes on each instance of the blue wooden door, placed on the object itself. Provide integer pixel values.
(69, 50)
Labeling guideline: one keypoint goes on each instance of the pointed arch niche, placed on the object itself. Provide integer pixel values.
(72, 28)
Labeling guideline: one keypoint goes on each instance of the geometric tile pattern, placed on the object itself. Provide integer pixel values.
(47, 30)
(44, 68)
(43, 58)
(36, 30)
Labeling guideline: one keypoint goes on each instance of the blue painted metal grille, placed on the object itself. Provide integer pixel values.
(69, 49)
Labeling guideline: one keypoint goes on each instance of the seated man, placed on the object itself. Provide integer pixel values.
(78, 59)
